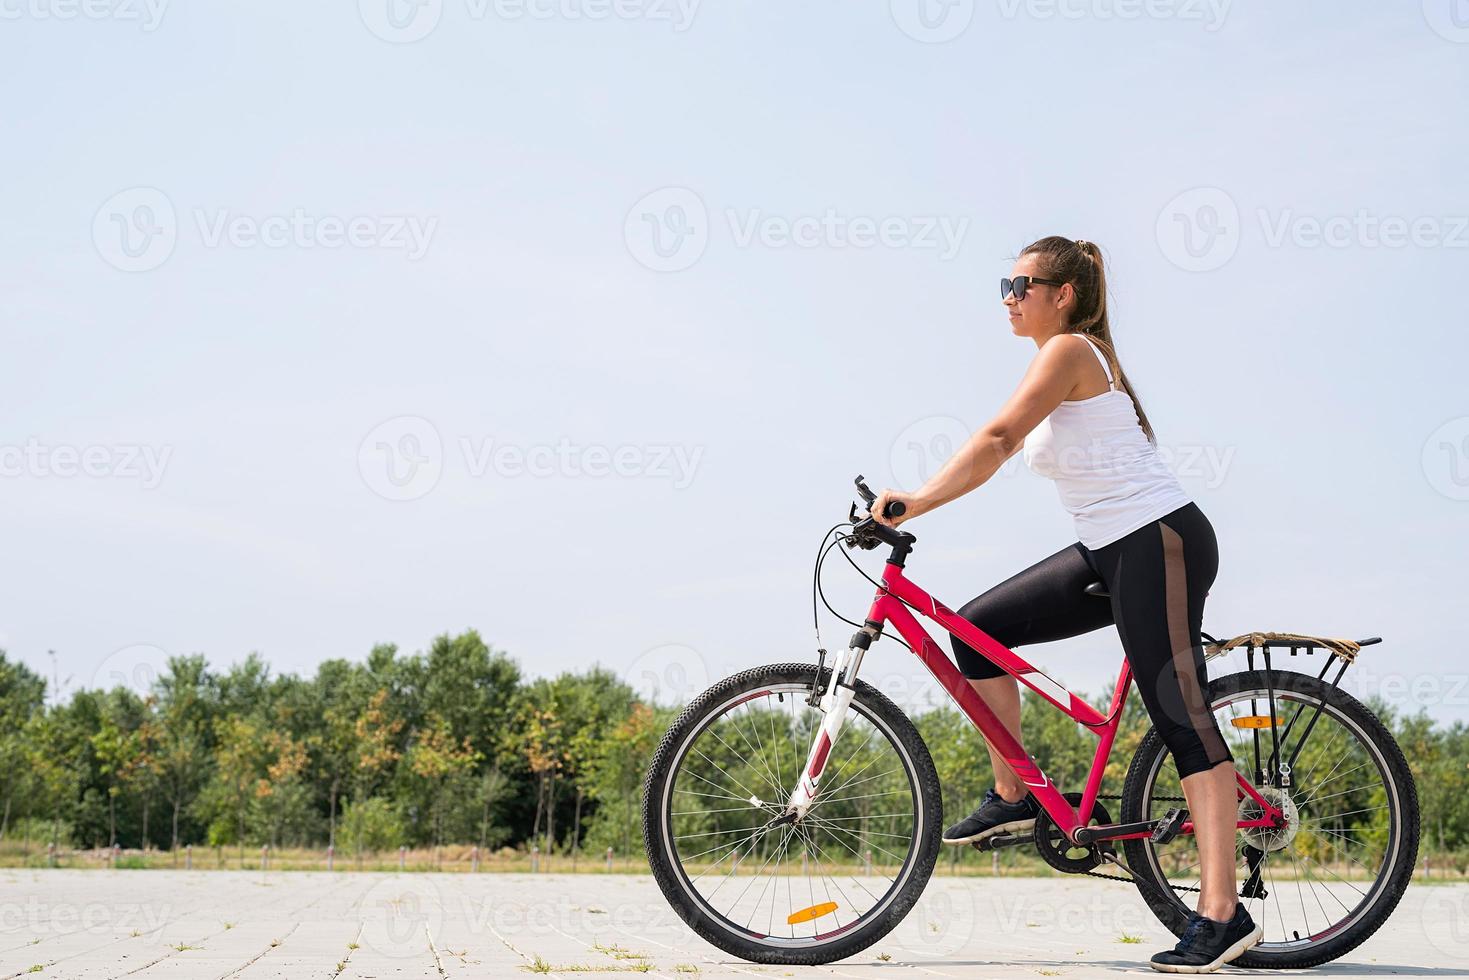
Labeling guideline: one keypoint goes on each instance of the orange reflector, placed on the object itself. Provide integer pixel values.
(814, 912)
(1254, 721)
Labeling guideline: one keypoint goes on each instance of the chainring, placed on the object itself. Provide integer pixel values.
(1063, 855)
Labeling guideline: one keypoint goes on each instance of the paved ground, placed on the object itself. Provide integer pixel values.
(82, 925)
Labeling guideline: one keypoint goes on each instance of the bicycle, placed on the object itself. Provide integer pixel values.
(748, 781)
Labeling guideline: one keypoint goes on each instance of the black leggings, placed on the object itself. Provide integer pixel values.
(1157, 576)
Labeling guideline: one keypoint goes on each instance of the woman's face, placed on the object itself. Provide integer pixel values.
(1041, 313)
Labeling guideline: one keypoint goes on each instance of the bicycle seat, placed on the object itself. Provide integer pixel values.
(1097, 589)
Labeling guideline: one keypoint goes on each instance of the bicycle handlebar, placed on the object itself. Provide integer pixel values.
(894, 508)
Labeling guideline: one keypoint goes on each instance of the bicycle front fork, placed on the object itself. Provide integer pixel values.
(840, 689)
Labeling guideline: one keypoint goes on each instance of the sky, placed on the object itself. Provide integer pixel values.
(571, 321)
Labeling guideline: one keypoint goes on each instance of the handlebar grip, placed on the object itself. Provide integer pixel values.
(895, 508)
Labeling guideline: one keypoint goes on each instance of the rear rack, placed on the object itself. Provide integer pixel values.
(1277, 772)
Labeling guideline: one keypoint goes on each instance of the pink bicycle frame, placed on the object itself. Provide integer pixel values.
(892, 605)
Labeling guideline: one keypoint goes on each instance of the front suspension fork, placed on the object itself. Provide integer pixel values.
(841, 687)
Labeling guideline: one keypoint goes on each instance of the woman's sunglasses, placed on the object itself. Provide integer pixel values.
(1020, 284)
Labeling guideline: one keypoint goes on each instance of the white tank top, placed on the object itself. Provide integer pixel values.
(1109, 476)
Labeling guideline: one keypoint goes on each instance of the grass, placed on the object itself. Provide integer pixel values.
(540, 965)
(1125, 938)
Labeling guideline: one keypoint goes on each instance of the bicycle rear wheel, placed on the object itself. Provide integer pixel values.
(809, 892)
(1334, 873)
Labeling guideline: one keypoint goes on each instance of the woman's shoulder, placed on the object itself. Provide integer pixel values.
(1068, 352)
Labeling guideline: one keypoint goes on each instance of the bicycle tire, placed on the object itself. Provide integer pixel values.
(661, 851)
(1157, 892)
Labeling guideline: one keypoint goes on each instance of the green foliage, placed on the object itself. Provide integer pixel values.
(454, 746)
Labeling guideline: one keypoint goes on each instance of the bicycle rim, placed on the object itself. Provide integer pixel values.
(792, 887)
(1325, 872)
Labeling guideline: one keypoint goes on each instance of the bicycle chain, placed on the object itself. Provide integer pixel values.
(1098, 874)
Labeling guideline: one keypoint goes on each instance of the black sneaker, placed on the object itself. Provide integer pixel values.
(994, 816)
(1208, 944)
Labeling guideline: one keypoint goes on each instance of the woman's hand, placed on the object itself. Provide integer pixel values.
(885, 497)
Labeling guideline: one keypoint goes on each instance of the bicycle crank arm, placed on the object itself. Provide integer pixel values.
(1115, 831)
(1000, 841)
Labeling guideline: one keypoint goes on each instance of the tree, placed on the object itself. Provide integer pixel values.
(185, 695)
(22, 696)
(437, 759)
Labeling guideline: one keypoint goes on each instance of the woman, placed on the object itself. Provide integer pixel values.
(1080, 424)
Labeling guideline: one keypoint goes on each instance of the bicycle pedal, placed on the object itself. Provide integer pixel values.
(1170, 825)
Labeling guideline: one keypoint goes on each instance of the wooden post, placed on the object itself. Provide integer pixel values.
(609, 860)
(474, 859)
(264, 857)
(189, 858)
(867, 863)
(535, 858)
(331, 857)
(116, 851)
(402, 855)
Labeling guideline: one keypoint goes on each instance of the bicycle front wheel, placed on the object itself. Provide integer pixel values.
(816, 890)
(1326, 880)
